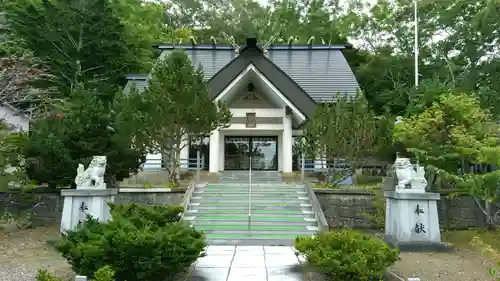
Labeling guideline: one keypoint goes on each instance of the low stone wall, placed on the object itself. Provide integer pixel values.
(347, 207)
(46, 205)
(151, 196)
(341, 207)
(49, 209)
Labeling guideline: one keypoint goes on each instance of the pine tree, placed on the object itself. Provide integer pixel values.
(175, 104)
(80, 41)
(58, 143)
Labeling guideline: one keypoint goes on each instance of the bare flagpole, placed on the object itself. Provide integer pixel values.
(416, 43)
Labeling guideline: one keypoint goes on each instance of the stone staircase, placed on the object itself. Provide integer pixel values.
(279, 212)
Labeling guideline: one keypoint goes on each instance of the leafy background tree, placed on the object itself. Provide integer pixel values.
(345, 133)
(455, 137)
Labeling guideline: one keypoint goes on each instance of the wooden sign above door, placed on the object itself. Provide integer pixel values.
(251, 120)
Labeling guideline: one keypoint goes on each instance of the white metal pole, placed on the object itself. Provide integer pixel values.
(416, 43)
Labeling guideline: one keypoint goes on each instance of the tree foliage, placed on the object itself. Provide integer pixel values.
(78, 41)
(58, 143)
(454, 136)
(344, 132)
(176, 104)
(18, 76)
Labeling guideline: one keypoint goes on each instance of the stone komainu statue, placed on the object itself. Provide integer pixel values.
(407, 177)
(93, 176)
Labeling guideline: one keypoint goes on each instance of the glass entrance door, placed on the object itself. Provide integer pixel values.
(236, 152)
(263, 150)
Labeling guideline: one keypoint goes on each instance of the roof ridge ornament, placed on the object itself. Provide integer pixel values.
(270, 42)
(192, 39)
(310, 40)
(232, 42)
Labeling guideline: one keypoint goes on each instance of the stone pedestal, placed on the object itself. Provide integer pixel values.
(411, 220)
(78, 203)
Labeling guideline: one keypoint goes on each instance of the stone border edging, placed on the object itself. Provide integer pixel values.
(89, 192)
(350, 191)
(394, 276)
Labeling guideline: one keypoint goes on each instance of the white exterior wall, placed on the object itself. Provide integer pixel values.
(258, 102)
(215, 151)
(280, 151)
(287, 144)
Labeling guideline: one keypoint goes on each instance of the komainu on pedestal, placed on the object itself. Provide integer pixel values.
(411, 218)
(93, 176)
(90, 198)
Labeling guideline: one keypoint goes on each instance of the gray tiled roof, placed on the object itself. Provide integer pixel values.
(321, 72)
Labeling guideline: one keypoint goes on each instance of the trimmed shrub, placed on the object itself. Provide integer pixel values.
(102, 274)
(139, 214)
(347, 255)
(105, 273)
(138, 244)
(44, 275)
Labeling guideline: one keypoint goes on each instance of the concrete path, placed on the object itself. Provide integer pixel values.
(248, 263)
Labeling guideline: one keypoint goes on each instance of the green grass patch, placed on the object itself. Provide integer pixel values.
(463, 238)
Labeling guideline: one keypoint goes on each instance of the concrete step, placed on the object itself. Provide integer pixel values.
(232, 228)
(304, 212)
(254, 192)
(281, 195)
(258, 230)
(246, 189)
(255, 221)
(254, 205)
(246, 184)
(250, 241)
(245, 200)
(252, 235)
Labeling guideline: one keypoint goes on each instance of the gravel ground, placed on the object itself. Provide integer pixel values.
(462, 265)
(24, 251)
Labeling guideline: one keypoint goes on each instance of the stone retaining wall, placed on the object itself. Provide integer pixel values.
(341, 207)
(50, 209)
(347, 208)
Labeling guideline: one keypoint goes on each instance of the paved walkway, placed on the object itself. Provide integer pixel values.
(248, 263)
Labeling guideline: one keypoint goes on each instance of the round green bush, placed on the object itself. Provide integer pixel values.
(347, 255)
(136, 249)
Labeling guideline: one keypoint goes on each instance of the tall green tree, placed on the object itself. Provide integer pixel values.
(58, 143)
(175, 105)
(79, 41)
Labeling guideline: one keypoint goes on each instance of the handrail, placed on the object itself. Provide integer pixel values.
(318, 212)
(187, 164)
(198, 164)
(187, 197)
(249, 194)
(302, 167)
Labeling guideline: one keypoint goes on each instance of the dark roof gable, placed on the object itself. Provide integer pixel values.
(253, 55)
(320, 70)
